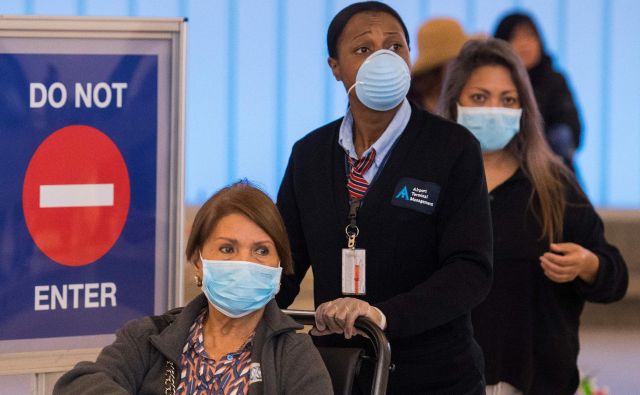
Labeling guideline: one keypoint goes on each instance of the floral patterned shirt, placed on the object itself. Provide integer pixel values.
(200, 374)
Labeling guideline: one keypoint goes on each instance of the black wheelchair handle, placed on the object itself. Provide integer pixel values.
(381, 346)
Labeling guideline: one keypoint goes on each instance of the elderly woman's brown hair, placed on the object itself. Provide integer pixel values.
(548, 175)
(246, 199)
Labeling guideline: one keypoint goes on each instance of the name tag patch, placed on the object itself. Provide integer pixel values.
(416, 195)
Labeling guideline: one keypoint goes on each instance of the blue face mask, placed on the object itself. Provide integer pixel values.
(382, 81)
(494, 127)
(237, 288)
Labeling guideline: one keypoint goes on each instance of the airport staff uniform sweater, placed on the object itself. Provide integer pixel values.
(428, 257)
(528, 325)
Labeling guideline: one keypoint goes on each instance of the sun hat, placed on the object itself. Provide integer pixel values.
(439, 40)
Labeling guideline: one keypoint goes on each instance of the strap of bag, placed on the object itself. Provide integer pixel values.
(169, 378)
(161, 322)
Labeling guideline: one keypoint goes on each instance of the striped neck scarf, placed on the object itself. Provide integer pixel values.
(357, 185)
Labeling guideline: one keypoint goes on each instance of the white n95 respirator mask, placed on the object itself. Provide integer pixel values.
(383, 80)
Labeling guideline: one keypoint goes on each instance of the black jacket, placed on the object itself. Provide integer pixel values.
(528, 325)
(424, 271)
(554, 98)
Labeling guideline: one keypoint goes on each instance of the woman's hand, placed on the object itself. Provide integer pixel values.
(566, 261)
(339, 316)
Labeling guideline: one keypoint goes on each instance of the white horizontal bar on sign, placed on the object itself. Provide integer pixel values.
(76, 195)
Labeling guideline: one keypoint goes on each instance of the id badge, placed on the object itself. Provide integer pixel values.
(353, 271)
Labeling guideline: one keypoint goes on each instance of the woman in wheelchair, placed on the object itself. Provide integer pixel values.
(231, 339)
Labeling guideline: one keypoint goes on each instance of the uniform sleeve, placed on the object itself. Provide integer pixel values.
(465, 253)
(303, 371)
(119, 368)
(583, 226)
(288, 206)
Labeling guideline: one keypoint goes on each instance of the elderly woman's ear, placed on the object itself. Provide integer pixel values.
(197, 269)
(196, 262)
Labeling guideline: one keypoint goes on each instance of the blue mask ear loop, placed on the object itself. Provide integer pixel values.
(200, 281)
(353, 86)
(279, 282)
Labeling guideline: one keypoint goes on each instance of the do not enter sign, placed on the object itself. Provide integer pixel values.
(76, 195)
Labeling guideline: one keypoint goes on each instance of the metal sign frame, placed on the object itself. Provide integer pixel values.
(98, 35)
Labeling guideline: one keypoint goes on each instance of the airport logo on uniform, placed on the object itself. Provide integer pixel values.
(403, 194)
(417, 195)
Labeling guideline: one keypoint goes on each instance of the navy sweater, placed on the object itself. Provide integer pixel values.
(426, 268)
(528, 325)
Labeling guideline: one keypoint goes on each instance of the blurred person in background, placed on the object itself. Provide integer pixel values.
(555, 102)
(550, 253)
(439, 41)
(232, 338)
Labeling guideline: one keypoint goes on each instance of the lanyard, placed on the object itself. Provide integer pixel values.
(352, 230)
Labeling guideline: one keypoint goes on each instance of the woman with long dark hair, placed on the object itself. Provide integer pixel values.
(550, 254)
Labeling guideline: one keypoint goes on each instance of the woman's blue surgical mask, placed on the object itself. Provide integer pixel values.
(238, 288)
(382, 81)
(494, 127)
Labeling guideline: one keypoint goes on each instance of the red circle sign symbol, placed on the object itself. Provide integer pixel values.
(76, 195)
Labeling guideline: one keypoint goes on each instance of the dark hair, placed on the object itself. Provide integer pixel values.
(427, 84)
(547, 174)
(342, 18)
(246, 199)
(508, 24)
